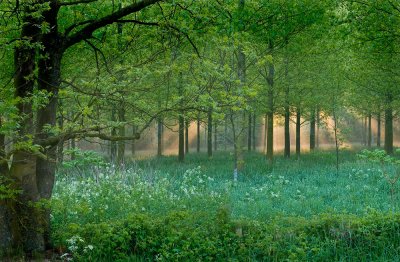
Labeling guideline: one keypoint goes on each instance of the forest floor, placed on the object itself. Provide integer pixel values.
(155, 187)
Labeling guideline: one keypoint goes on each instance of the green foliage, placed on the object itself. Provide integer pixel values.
(158, 209)
(7, 192)
(80, 161)
(184, 236)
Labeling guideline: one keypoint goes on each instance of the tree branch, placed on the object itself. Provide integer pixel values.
(87, 31)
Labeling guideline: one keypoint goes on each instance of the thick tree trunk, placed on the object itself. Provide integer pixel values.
(312, 130)
(378, 135)
(22, 226)
(49, 79)
(298, 134)
(60, 146)
(389, 126)
(209, 133)
(5, 222)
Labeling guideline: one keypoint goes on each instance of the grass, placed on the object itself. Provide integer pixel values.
(303, 188)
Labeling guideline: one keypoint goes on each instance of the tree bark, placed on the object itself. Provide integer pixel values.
(287, 132)
(121, 132)
(298, 134)
(369, 130)
(198, 134)
(249, 132)
(215, 136)
(312, 130)
(187, 137)
(318, 127)
(133, 144)
(378, 135)
(113, 144)
(389, 125)
(160, 136)
(254, 131)
(209, 133)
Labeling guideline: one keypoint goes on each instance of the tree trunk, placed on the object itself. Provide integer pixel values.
(121, 132)
(287, 132)
(160, 136)
(365, 131)
(186, 137)
(249, 133)
(49, 79)
(198, 134)
(209, 133)
(113, 144)
(215, 136)
(265, 133)
(270, 103)
(378, 135)
(22, 228)
(318, 127)
(298, 130)
(254, 131)
(312, 130)
(389, 126)
(181, 153)
(369, 130)
(133, 143)
(60, 146)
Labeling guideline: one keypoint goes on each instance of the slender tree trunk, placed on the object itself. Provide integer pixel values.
(121, 132)
(389, 126)
(271, 109)
(198, 134)
(226, 134)
(318, 127)
(265, 133)
(181, 120)
(249, 132)
(369, 130)
(254, 131)
(378, 136)
(187, 136)
(160, 136)
(312, 130)
(335, 129)
(113, 144)
(215, 136)
(298, 134)
(287, 130)
(365, 131)
(133, 143)
(209, 133)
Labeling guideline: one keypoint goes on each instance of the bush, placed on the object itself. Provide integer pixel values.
(188, 236)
